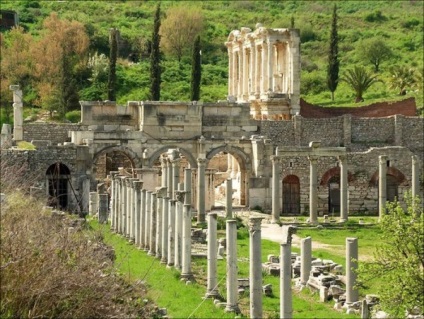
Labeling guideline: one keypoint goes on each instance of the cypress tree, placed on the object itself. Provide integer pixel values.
(333, 57)
(196, 70)
(111, 83)
(155, 69)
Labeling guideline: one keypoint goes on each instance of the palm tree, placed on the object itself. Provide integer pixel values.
(360, 80)
(401, 79)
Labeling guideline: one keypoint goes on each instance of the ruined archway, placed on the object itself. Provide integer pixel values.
(229, 162)
(189, 158)
(57, 176)
(111, 158)
(291, 195)
(394, 178)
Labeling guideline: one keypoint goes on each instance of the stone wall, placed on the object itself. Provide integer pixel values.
(373, 130)
(54, 132)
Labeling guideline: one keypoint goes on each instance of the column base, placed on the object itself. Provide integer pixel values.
(151, 253)
(158, 256)
(232, 308)
(164, 261)
(275, 221)
(214, 294)
(186, 277)
(170, 265)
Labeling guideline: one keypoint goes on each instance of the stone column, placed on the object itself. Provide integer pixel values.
(148, 220)
(382, 187)
(275, 189)
(129, 209)
(230, 68)
(255, 282)
(133, 209)
(112, 199)
(270, 65)
(171, 233)
(313, 192)
(116, 203)
(229, 198)
(186, 249)
(170, 189)
(122, 198)
(103, 204)
(240, 73)
(18, 114)
(92, 204)
(252, 87)
(212, 279)
(257, 70)
(175, 175)
(153, 216)
(201, 164)
(264, 69)
(415, 191)
(352, 294)
(305, 260)
(179, 221)
(137, 210)
(232, 289)
(165, 230)
(286, 308)
(344, 211)
(143, 219)
(164, 169)
(160, 194)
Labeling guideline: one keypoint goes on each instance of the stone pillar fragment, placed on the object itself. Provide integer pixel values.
(382, 186)
(148, 220)
(171, 233)
(352, 294)
(165, 230)
(344, 211)
(231, 233)
(113, 199)
(143, 219)
(305, 261)
(415, 177)
(137, 211)
(103, 207)
(160, 194)
(92, 204)
(286, 308)
(229, 198)
(212, 277)
(186, 247)
(275, 189)
(313, 191)
(255, 282)
(18, 114)
(153, 216)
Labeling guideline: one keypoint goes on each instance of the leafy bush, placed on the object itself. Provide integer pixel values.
(73, 116)
(410, 23)
(307, 34)
(375, 16)
(312, 83)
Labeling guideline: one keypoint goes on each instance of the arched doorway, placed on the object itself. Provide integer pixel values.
(334, 194)
(391, 188)
(58, 175)
(291, 195)
(110, 159)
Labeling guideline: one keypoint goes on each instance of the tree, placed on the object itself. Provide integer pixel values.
(179, 30)
(111, 83)
(58, 54)
(196, 70)
(402, 78)
(399, 259)
(375, 51)
(155, 68)
(359, 80)
(333, 57)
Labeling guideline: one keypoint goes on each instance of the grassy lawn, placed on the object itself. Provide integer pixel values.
(185, 301)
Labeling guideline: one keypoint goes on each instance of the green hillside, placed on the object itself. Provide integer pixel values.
(399, 24)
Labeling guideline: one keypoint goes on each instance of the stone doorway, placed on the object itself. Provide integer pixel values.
(111, 160)
(334, 194)
(58, 175)
(391, 188)
(291, 195)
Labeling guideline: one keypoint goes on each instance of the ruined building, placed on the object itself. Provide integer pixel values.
(262, 130)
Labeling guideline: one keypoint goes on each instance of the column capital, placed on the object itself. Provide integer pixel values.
(160, 192)
(275, 158)
(288, 231)
(414, 159)
(137, 185)
(342, 158)
(175, 161)
(313, 159)
(201, 161)
(113, 174)
(255, 224)
(180, 195)
(382, 159)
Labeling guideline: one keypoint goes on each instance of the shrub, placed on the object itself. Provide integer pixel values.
(312, 83)
(73, 116)
(410, 23)
(375, 16)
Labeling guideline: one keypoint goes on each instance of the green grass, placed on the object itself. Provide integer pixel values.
(182, 301)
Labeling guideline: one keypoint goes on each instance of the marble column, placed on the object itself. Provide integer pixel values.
(382, 187)
(171, 233)
(229, 198)
(164, 169)
(305, 260)
(148, 221)
(18, 119)
(255, 275)
(153, 220)
(122, 196)
(186, 249)
(212, 268)
(137, 210)
(275, 189)
(257, 70)
(143, 219)
(113, 199)
(313, 191)
(286, 308)
(252, 88)
(264, 69)
(230, 69)
(201, 165)
(187, 186)
(344, 211)
(270, 65)
(133, 207)
(128, 204)
(160, 194)
(117, 205)
(170, 189)
(415, 191)
(103, 203)
(92, 204)
(179, 221)
(232, 282)
(175, 175)
(352, 294)
(240, 73)
(165, 230)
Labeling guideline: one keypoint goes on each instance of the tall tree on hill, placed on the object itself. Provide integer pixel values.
(196, 70)
(111, 83)
(155, 69)
(333, 57)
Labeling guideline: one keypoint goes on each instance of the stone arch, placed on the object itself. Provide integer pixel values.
(244, 163)
(291, 195)
(190, 158)
(393, 171)
(133, 158)
(332, 172)
(331, 180)
(58, 181)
